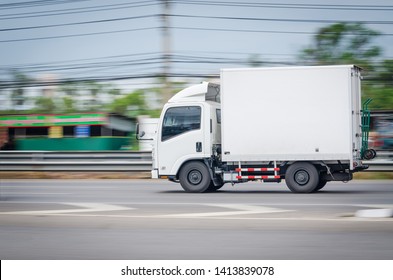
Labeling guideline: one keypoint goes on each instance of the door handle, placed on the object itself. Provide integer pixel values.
(198, 147)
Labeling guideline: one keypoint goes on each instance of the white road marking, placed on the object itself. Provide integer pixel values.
(389, 206)
(241, 209)
(25, 194)
(236, 212)
(84, 207)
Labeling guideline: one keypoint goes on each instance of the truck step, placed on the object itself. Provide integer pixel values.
(263, 177)
(257, 169)
(258, 173)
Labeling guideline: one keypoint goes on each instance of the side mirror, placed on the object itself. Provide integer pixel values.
(139, 135)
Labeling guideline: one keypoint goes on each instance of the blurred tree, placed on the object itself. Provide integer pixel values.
(44, 105)
(384, 74)
(343, 43)
(70, 88)
(114, 91)
(379, 86)
(95, 89)
(68, 105)
(20, 81)
(86, 96)
(254, 60)
(348, 43)
(132, 104)
(71, 91)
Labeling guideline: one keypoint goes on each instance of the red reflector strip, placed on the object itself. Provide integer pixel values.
(257, 169)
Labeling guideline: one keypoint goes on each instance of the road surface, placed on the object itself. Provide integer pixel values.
(151, 219)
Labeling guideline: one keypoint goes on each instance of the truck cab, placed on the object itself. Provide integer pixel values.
(188, 130)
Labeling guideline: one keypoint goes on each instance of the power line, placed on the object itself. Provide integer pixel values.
(142, 60)
(12, 84)
(79, 23)
(261, 31)
(78, 35)
(154, 2)
(111, 60)
(192, 16)
(78, 10)
(289, 5)
(173, 27)
(80, 60)
(281, 19)
(29, 4)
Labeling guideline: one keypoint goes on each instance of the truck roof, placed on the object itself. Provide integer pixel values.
(204, 91)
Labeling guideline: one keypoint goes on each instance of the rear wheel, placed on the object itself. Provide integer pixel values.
(302, 177)
(194, 177)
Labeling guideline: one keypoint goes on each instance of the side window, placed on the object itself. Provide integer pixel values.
(218, 114)
(178, 120)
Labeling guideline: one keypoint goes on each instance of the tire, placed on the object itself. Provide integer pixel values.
(213, 188)
(302, 177)
(321, 184)
(369, 154)
(194, 177)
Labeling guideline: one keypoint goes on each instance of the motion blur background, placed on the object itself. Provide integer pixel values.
(123, 59)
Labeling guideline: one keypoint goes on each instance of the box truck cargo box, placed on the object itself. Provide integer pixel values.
(301, 124)
(297, 113)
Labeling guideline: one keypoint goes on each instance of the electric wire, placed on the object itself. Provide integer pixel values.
(353, 7)
(79, 35)
(282, 19)
(29, 4)
(149, 65)
(73, 11)
(79, 23)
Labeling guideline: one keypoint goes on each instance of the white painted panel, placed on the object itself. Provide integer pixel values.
(297, 113)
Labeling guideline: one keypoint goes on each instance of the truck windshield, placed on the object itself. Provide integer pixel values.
(178, 120)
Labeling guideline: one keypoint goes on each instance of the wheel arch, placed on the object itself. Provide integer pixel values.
(186, 162)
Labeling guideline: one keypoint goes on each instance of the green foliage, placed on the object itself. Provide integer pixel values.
(18, 93)
(346, 43)
(343, 43)
(65, 99)
(45, 105)
(379, 86)
(70, 88)
(68, 105)
(132, 104)
(382, 97)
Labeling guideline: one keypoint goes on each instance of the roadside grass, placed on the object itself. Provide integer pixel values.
(373, 176)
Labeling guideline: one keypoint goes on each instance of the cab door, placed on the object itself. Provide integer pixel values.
(180, 137)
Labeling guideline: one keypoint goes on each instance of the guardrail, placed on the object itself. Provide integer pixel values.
(121, 161)
(75, 161)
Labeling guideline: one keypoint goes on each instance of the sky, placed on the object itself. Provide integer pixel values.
(113, 40)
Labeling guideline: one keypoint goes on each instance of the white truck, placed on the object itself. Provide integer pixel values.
(301, 124)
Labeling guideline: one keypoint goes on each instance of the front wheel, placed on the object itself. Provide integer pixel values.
(302, 177)
(194, 177)
(321, 184)
(213, 188)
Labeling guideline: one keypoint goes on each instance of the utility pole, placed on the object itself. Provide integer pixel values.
(166, 51)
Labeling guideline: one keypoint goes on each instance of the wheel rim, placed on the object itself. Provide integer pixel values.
(195, 177)
(302, 177)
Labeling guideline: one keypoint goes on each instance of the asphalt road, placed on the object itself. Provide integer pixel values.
(147, 219)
